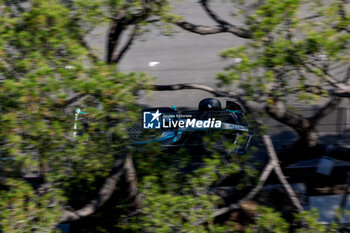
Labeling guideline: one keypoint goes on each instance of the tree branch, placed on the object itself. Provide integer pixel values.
(184, 86)
(71, 100)
(279, 112)
(332, 81)
(273, 156)
(115, 32)
(272, 165)
(332, 104)
(9, 68)
(207, 30)
(262, 179)
(325, 110)
(126, 46)
(131, 179)
(342, 94)
(93, 57)
(212, 14)
(311, 17)
(104, 194)
(223, 26)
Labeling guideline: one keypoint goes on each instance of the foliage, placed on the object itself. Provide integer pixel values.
(176, 195)
(288, 54)
(269, 221)
(304, 222)
(44, 65)
(22, 210)
(309, 223)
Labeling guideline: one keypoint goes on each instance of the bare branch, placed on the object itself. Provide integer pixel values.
(272, 165)
(115, 32)
(273, 156)
(131, 179)
(71, 100)
(311, 17)
(207, 30)
(344, 94)
(126, 46)
(325, 110)
(347, 76)
(183, 86)
(314, 89)
(262, 179)
(152, 20)
(332, 81)
(104, 194)
(212, 14)
(9, 68)
(223, 26)
(332, 104)
(279, 112)
(335, 83)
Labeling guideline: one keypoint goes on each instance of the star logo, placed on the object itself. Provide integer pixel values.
(156, 115)
(152, 119)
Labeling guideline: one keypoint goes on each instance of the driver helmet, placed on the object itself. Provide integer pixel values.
(209, 104)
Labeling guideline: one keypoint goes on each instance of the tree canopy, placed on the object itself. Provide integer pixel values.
(47, 69)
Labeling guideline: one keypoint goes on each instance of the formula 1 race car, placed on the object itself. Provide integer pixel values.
(176, 129)
(187, 128)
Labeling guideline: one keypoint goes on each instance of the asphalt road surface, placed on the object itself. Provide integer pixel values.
(183, 57)
(186, 57)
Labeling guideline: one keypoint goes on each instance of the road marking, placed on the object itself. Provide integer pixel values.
(237, 60)
(153, 63)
